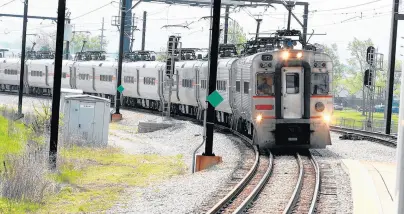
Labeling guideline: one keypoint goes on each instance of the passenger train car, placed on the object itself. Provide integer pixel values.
(279, 98)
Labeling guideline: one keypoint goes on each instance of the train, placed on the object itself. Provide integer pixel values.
(279, 98)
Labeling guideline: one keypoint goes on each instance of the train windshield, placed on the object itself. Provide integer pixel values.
(265, 84)
(319, 83)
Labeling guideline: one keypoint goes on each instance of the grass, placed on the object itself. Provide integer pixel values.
(12, 138)
(116, 126)
(354, 118)
(95, 178)
(89, 180)
(8, 206)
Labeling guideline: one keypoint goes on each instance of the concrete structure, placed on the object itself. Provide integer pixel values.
(86, 120)
(372, 186)
(151, 126)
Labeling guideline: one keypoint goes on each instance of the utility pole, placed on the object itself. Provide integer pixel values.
(392, 63)
(144, 30)
(226, 25)
(22, 68)
(214, 52)
(57, 84)
(102, 35)
(118, 115)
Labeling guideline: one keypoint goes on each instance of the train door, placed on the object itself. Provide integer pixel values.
(75, 77)
(26, 77)
(94, 79)
(46, 75)
(292, 91)
(137, 82)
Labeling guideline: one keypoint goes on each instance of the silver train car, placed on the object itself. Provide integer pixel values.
(279, 98)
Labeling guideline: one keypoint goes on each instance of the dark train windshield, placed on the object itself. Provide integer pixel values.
(319, 83)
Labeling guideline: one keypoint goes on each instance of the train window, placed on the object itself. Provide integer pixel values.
(204, 84)
(292, 83)
(221, 85)
(265, 84)
(319, 83)
(246, 87)
(238, 86)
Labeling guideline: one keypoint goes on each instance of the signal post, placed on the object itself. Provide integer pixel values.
(208, 158)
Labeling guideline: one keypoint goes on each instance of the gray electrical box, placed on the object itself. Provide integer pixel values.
(86, 120)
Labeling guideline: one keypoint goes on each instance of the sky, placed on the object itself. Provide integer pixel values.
(341, 20)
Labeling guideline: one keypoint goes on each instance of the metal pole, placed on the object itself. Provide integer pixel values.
(128, 26)
(226, 25)
(392, 62)
(214, 49)
(121, 38)
(144, 30)
(102, 35)
(54, 132)
(133, 33)
(258, 28)
(67, 45)
(22, 68)
(289, 16)
(305, 24)
(399, 190)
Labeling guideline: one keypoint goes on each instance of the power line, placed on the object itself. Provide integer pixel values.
(7, 3)
(381, 14)
(94, 10)
(342, 8)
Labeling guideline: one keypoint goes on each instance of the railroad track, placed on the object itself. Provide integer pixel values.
(241, 198)
(303, 198)
(389, 140)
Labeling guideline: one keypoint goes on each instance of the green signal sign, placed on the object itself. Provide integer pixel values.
(120, 88)
(215, 99)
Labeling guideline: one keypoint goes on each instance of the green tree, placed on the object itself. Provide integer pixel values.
(236, 34)
(93, 43)
(338, 68)
(45, 41)
(358, 65)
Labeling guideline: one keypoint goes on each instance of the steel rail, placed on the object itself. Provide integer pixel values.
(296, 193)
(249, 200)
(316, 193)
(239, 187)
(380, 137)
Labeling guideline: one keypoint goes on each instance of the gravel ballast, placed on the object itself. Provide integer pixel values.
(181, 194)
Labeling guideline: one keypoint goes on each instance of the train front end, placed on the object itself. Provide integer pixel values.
(292, 103)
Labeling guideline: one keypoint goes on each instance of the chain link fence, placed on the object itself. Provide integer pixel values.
(374, 126)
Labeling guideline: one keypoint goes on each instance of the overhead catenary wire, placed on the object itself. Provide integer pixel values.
(5, 4)
(99, 8)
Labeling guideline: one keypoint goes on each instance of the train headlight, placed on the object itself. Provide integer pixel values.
(327, 118)
(285, 55)
(263, 65)
(299, 55)
(258, 118)
(319, 107)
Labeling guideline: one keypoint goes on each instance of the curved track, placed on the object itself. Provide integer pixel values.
(306, 192)
(390, 140)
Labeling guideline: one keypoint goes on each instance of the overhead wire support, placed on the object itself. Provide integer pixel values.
(54, 132)
(22, 63)
(214, 53)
